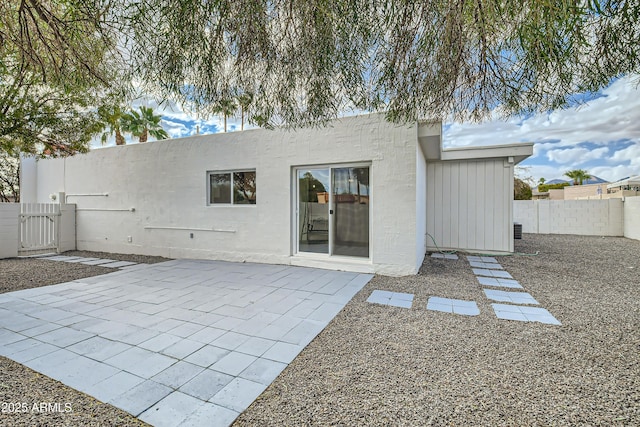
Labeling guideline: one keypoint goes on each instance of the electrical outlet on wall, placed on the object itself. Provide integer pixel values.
(129, 239)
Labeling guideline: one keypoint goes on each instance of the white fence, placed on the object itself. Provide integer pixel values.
(39, 228)
(612, 217)
(34, 228)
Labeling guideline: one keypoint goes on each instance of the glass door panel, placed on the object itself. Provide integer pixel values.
(313, 210)
(350, 205)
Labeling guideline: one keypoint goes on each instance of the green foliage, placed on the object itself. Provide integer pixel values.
(9, 176)
(543, 188)
(521, 190)
(308, 60)
(578, 176)
(56, 61)
(310, 187)
(226, 107)
(143, 124)
(111, 123)
(48, 119)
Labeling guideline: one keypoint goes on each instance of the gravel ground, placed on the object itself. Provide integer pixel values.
(380, 365)
(21, 387)
(26, 273)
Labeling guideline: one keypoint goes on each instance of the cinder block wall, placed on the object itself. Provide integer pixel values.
(9, 219)
(583, 217)
(632, 217)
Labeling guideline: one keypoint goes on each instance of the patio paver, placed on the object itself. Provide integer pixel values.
(444, 256)
(456, 306)
(395, 299)
(178, 342)
(524, 314)
(491, 273)
(513, 297)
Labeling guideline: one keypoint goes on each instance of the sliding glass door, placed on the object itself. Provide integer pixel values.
(313, 210)
(333, 210)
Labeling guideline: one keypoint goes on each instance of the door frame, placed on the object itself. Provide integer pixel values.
(295, 206)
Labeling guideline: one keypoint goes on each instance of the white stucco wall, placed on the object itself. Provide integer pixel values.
(421, 205)
(469, 205)
(9, 220)
(632, 217)
(165, 183)
(583, 217)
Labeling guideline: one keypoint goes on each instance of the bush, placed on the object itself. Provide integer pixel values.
(543, 188)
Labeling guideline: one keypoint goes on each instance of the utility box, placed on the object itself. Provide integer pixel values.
(517, 230)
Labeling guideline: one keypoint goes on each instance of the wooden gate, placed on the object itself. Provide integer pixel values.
(39, 228)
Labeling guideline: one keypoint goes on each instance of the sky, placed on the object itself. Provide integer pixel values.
(601, 136)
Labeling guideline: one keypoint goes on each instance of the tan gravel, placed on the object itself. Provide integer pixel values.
(381, 365)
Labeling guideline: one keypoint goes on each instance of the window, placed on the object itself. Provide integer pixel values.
(238, 188)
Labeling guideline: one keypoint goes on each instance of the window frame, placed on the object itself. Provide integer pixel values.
(231, 173)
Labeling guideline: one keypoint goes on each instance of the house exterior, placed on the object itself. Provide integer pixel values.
(361, 194)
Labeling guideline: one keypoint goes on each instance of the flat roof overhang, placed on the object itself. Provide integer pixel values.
(430, 140)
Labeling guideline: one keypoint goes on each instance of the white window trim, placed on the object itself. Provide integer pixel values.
(231, 172)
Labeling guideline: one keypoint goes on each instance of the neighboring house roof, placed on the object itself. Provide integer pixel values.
(633, 180)
(593, 180)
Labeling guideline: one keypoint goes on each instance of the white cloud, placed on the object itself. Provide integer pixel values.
(615, 116)
(576, 156)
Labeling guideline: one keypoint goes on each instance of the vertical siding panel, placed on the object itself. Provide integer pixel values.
(473, 212)
(463, 206)
(501, 219)
(455, 208)
(500, 206)
(446, 205)
(490, 207)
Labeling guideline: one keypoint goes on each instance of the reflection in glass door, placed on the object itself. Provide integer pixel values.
(350, 206)
(313, 210)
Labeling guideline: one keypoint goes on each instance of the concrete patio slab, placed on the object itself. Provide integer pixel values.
(179, 342)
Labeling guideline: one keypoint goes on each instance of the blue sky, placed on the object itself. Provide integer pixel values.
(601, 136)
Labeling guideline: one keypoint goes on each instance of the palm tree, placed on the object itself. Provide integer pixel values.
(578, 176)
(244, 101)
(226, 107)
(111, 118)
(143, 124)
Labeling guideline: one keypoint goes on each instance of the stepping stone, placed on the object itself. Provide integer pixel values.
(514, 297)
(83, 259)
(524, 314)
(499, 283)
(444, 256)
(98, 261)
(62, 258)
(117, 264)
(396, 299)
(456, 306)
(489, 265)
(481, 258)
(492, 273)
